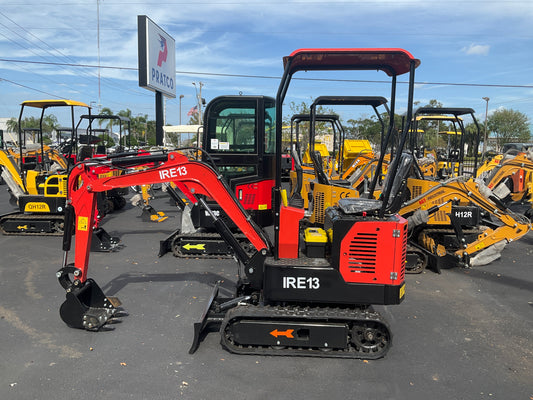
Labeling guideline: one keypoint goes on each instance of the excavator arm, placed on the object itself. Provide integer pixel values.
(191, 177)
(518, 169)
(454, 200)
(86, 307)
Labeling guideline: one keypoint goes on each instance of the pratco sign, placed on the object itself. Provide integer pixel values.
(157, 58)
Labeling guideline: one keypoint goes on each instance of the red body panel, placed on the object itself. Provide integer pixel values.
(360, 260)
(519, 181)
(256, 196)
(289, 231)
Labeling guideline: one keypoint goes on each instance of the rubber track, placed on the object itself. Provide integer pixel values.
(437, 233)
(32, 217)
(286, 314)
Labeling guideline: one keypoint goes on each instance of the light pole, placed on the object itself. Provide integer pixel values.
(485, 133)
(181, 97)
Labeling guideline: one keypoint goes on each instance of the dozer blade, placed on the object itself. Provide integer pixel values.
(87, 307)
(200, 326)
(166, 245)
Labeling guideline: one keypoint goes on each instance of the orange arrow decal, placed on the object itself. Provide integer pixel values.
(287, 333)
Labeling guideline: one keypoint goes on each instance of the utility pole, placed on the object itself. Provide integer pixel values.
(485, 138)
(98, 45)
(199, 98)
(181, 97)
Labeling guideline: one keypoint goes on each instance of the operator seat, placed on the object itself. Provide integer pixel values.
(321, 176)
(296, 199)
(399, 184)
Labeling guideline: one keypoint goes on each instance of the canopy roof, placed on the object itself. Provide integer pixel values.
(93, 117)
(438, 118)
(392, 61)
(52, 103)
(374, 101)
(444, 110)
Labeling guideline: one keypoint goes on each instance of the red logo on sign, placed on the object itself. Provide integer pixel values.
(163, 51)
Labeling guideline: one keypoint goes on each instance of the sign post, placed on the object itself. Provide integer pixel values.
(157, 67)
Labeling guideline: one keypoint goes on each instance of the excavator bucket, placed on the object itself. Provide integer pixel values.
(86, 307)
(149, 214)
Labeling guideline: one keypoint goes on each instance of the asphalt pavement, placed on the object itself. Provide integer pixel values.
(463, 334)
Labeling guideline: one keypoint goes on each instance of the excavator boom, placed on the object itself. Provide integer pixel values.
(191, 177)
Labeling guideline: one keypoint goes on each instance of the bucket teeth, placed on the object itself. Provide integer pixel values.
(95, 318)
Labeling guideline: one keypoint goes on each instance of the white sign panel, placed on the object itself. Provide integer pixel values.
(157, 58)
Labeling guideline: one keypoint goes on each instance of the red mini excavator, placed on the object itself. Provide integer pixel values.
(309, 292)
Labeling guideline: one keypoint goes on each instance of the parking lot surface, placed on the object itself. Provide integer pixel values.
(463, 334)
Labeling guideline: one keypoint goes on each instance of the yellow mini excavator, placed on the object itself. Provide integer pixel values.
(36, 177)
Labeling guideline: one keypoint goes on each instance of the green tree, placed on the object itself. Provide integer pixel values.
(141, 125)
(431, 128)
(12, 125)
(304, 108)
(150, 133)
(509, 126)
(107, 140)
(106, 111)
(194, 119)
(368, 128)
(49, 124)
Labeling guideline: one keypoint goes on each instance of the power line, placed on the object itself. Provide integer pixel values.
(284, 2)
(28, 87)
(272, 77)
(88, 75)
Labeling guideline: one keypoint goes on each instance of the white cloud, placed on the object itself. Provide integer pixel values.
(476, 50)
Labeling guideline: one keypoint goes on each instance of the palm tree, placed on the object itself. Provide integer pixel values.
(12, 125)
(107, 111)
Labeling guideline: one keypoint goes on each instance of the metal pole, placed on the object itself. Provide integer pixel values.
(98, 45)
(200, 104)
(485, 130)
(181, 97)
(159, 118)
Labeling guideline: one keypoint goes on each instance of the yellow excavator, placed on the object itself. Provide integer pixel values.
(511, 180)
(36, 177)
(447, 162)
(303, 168)
(457, 221)
(348, 176)
(142, 200)
(354, 181)
(454, 222)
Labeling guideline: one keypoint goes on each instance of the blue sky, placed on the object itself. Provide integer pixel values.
(468, 49)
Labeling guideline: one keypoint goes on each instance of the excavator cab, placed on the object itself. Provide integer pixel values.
(449, 160)
(239, 138)
(239, 141)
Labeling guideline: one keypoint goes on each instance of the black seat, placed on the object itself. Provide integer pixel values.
(321, 176)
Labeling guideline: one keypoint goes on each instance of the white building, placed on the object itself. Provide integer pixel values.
(8, 136)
